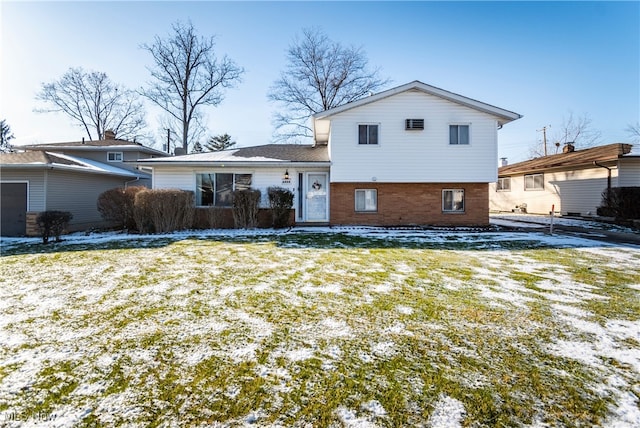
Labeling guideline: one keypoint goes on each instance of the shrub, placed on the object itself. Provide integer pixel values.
(280, 202)
(52, 223)
(246, 204)
(215, 217)
(621, 203)
(163, 210)
(116, 205)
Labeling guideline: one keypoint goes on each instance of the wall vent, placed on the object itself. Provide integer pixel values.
(414, 124)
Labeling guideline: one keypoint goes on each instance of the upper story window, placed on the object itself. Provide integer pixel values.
(217, 189)
(367, 134)
(534, 182)
(504, 184)
(458, 134)
(114, 156)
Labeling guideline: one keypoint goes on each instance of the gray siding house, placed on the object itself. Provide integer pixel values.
(66, 177)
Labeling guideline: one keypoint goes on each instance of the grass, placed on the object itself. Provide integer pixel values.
(306, 328)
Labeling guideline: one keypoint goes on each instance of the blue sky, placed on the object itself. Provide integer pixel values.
(540, 59)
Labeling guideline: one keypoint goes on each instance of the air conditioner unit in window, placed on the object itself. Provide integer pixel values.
(414, 124)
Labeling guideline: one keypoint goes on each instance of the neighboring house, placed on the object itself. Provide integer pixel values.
(572, 182)
(412, 155)
(65, 177)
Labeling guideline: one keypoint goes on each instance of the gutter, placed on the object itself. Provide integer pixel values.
(66, 168)
(222, 164)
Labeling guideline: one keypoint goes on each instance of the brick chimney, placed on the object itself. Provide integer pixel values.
(109, 134)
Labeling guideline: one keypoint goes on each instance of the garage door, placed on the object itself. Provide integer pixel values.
(13, 209)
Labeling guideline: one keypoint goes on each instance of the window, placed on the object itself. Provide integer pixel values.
(217, 189)
(534, 182)
(114, 156)
(453, 200)
(366, 200)
(458, 134)
(367, 134)
(504, 184)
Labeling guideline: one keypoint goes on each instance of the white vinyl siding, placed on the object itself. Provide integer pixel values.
(185, 178)
(629, 172)
(575, 191)
(366, 200)
(414, 157)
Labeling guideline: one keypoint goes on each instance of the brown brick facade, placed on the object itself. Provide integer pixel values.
(403, 204)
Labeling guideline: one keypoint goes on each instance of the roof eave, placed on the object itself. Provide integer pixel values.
(56, 166)
(227, 164)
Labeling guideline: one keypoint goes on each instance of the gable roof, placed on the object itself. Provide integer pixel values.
(46, 160)
(265, 155)
(505, 115)
(97, 145)
(578, 158)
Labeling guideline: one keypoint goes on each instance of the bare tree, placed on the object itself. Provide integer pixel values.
(320, 74)
(187, 76)
(6, 135)
(633, 131)
(94, 103)
(576, 130)
(219, 142)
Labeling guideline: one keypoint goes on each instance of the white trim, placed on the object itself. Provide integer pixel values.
(305, 190)
(115, 156)
(464, 202)
(355, 200)
(458, 124)
(378, 124)
(506, 115)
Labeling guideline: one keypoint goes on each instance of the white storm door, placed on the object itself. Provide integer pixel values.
(317, 197)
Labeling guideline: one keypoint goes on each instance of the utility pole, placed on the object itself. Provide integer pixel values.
(544, 138)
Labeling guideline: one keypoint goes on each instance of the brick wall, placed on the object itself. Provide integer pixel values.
(32, 228)
(410, 204)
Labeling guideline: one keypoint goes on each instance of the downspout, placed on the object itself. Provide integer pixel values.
(131, 181)
(608, 176)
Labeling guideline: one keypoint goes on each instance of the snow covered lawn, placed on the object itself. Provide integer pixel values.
(354, 327)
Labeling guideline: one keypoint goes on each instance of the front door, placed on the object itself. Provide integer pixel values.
(317, 197)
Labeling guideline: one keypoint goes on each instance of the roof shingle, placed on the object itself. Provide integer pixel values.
(577, 158)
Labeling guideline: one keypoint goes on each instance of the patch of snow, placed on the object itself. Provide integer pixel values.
(447, 413)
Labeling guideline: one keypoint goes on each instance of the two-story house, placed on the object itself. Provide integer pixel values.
(411, 155)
